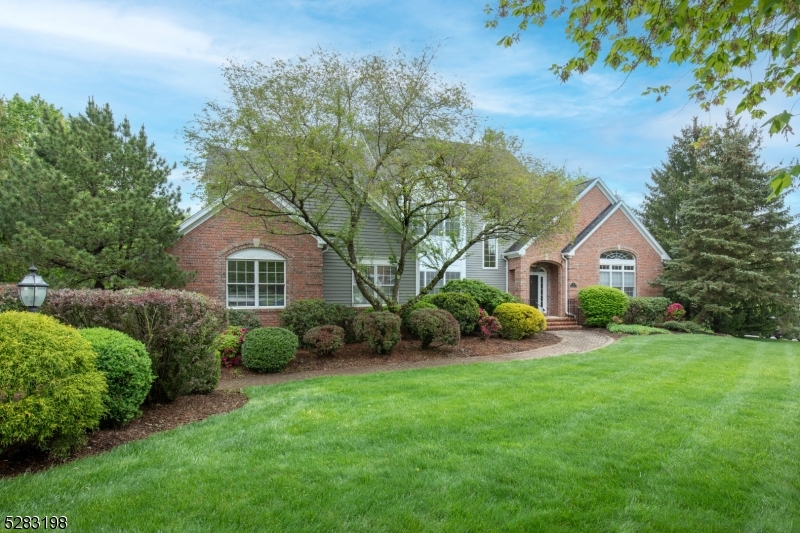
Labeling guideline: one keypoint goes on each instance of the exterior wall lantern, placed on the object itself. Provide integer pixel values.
(32, 290)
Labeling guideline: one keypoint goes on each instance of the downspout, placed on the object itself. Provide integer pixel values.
(566, 258)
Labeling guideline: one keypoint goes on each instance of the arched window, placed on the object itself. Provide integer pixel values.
(618, 270)
(256, 278)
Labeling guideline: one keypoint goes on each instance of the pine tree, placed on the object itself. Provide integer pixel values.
(735, 262)
(92, 203)
(671, 185)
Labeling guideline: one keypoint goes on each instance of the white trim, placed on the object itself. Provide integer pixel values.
(198, 218)
(256, 284)
(543, 295)
(257, 254)
(638, 225)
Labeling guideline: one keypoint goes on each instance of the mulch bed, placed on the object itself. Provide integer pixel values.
(186, 409)
(155, 418)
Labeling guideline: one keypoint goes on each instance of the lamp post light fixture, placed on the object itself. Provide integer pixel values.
(32, 290)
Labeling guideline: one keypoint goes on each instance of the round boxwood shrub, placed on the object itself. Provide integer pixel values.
(50, 389)
(462, 306)
(405, 315)
(518, 321)
(434, 327)
(302, 315)
(487, 297)
(269, 349)
(380, 330)
(127, 368)
(600, 304)
(324, 340)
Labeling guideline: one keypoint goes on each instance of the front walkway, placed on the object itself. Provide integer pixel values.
(577, 341)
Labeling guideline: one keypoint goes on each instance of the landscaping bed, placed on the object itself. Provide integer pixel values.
(155, 418)
(407, 351)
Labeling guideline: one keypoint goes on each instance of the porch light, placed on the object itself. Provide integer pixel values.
(32, 290)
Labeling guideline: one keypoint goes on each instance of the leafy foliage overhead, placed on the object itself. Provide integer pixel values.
(747, 47)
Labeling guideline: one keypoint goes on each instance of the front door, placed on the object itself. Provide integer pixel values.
(539, 289)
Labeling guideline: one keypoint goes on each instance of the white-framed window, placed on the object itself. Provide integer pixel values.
(618, 270)
(490, 253)
(382, 275)
(256, 278)
(426, 276)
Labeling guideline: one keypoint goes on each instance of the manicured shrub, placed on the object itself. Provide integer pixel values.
(434, 327)
(519, 321)
(243, 318)
(269, 349)
(686, 327)
(635, 329)
(462, 306)
(675, 312)
(324, 340)
(405, 314)
(646, 311)
(228, 345)
(600, 303)
(485, 295)
(302, 315)
(9, 299)
(127, 369)
(380, 330)
(177, 328)
(488, 326)
(50, 389)
(346, 317)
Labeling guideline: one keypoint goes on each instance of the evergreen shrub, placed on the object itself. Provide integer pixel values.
(269, 349)
(302, 315)
(635, 329)
(228, 345)
(485, 295)
(519, 320)
(434, 327)
(345, 319)
(488, 325)
(686, 327)
(405, 315)
(50, 389)
(243, 318)
(462, 306)
(646, 311)
(127, 369)
(177, 328)
(600, 304)
(380, 330)
(324, 340)
(9, 299)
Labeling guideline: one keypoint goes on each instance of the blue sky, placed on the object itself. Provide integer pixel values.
(158, 62)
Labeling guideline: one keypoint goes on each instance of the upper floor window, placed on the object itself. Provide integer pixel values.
(381, 275)
(449, 227)
(426, 276)
(490, 253)
(618, 270)
(256, 278)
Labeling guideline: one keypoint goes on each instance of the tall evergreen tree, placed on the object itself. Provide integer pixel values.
(92, 202)
(671, 185)
(736, 260)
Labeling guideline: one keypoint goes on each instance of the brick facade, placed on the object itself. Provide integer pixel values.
(207, 246)
(616, 233)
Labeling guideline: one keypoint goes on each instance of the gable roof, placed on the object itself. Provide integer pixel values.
(607, 213)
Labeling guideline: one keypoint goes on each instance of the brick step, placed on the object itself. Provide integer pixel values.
(562, 328)
(559, 319)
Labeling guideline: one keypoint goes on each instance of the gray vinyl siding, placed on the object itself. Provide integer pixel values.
(496, 277)
(377, 244)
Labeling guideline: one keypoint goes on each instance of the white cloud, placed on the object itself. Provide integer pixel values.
(141, 32)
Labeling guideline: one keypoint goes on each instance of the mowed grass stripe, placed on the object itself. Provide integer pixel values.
(663, 433)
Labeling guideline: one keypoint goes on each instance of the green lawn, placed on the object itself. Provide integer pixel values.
(661, 433)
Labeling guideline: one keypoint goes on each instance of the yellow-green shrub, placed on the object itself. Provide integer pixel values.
(50, 389)
(519, 320)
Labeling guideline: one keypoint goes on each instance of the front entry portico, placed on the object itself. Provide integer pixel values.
(538, 289)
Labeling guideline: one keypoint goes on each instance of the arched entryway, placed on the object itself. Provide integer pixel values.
(538, 288)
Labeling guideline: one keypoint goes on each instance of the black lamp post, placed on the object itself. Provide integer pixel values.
(32, 290)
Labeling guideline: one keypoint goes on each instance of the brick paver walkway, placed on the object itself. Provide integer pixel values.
(575, 341)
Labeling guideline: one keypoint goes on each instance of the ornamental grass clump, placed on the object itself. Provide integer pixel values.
(461, 305)
(518, 321)
(51, 392)
(434, 327)
(380, 330)
(126, 365)
(324, 340)
(269, 349)
(600, 303)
